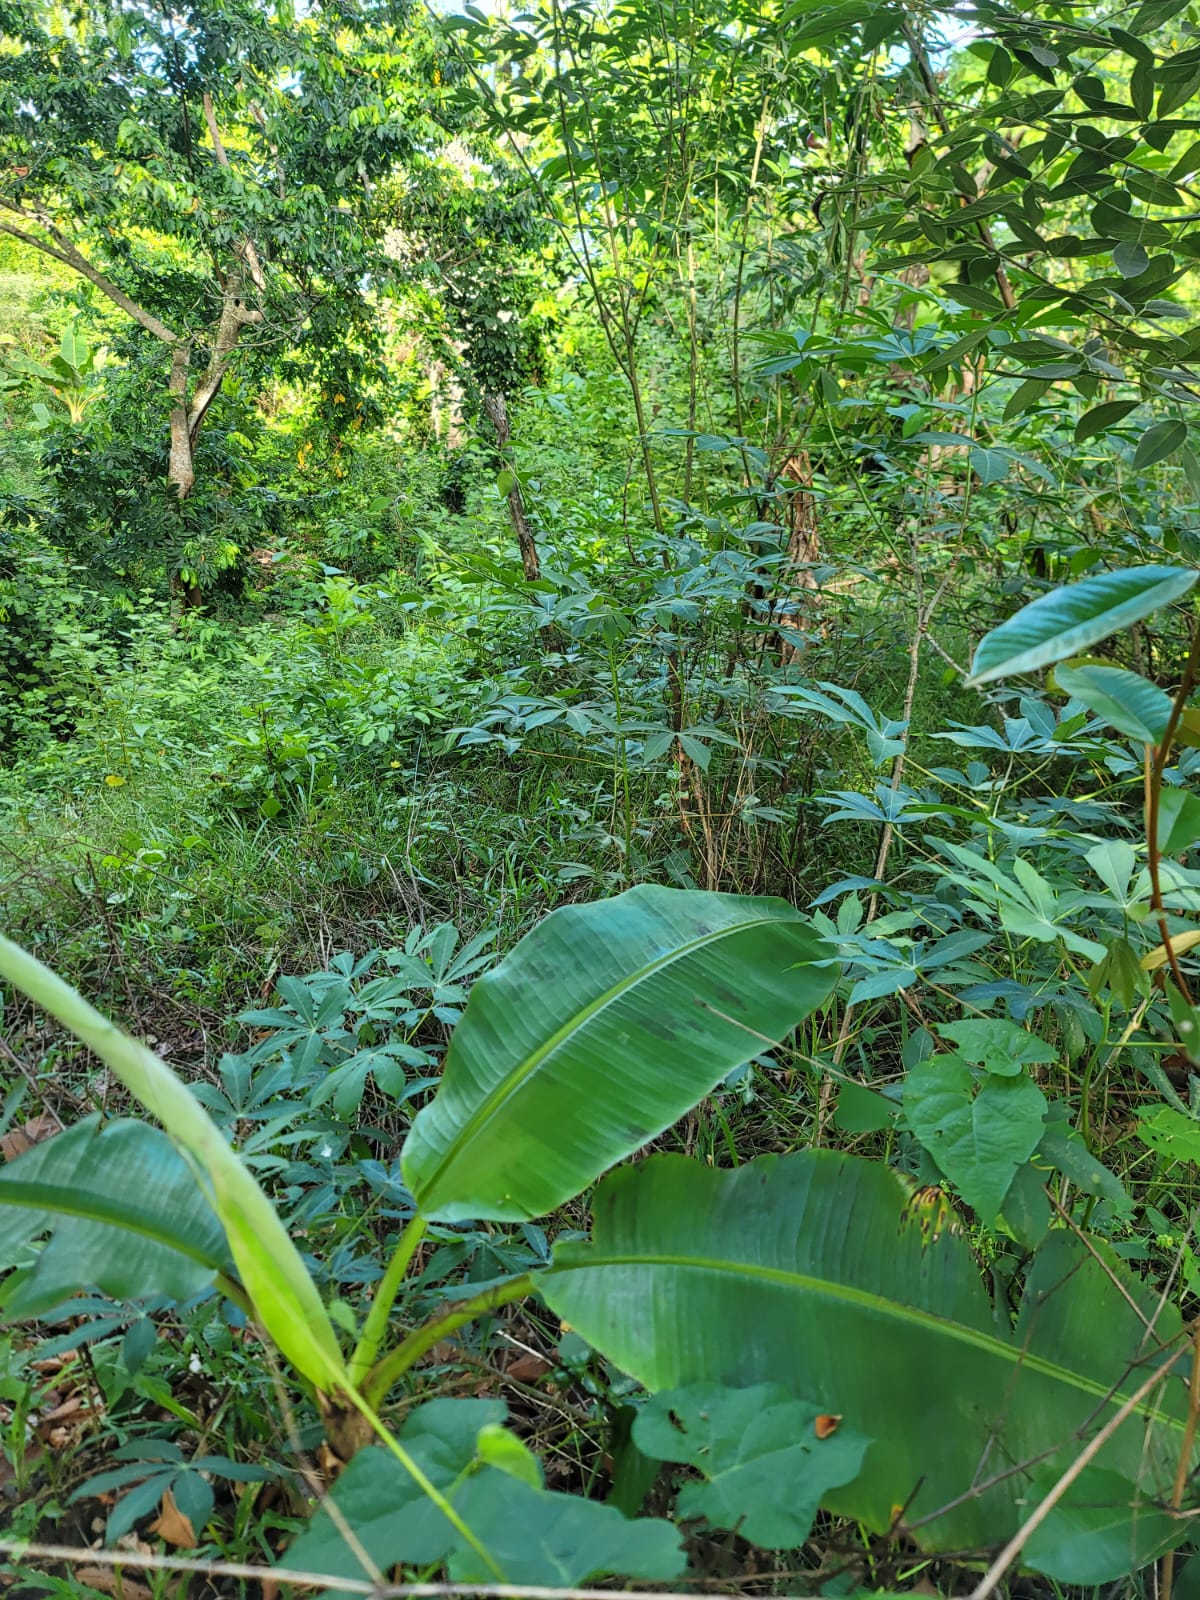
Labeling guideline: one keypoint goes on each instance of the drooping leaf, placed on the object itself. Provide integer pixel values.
(603, 1026)
(1132, 705)
(1158, 442)
(978, 1139)
(1070, 620)
(1102, 417)
(1180, 945)
(741, 1277)
(765, 1458)
(124, 1213)
(271, 1268)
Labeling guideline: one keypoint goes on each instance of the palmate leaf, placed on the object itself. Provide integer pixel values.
(823, 1273)
(603, 1026)
(124, 1213)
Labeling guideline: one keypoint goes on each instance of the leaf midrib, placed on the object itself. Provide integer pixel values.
(63, 1201)
(851, 1294)
(494, 1101)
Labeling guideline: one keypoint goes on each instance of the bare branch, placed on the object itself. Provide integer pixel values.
(249, 253)
(137, 1561)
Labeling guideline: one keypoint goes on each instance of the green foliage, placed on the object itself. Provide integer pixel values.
(765, 1459)
(748, 1276)
(836, 355)
(545, 1085)
(126, 1214)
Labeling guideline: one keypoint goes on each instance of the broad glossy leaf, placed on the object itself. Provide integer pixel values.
(124, 1213)
(603, 1026)
(826, 1274)
(1129, 703)
(765, 1458)
(1070, 620)
(977, 1139)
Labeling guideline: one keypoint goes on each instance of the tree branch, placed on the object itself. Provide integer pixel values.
(235, 315)
(249, 253)
(63, 250)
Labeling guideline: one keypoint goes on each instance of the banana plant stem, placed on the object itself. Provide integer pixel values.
(397, 1362)
(375, 1327)
(425, 1483)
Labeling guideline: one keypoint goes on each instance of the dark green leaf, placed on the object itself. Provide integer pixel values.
(1102, 417)
(764, 1465)
(1158, 442)
(743, 1276)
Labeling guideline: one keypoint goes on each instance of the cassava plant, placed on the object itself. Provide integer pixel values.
(806, 1324)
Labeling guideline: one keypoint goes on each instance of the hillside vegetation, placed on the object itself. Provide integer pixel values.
(599, 842)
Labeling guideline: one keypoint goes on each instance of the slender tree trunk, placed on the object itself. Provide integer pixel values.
(804, 549)
(497, 410)
(181, 474)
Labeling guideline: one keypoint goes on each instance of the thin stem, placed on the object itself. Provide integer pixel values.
(1184, 1466)
(375, 1327)
(425, 1483)
(1012, 1550)
(1155, 766)
(397, 1361)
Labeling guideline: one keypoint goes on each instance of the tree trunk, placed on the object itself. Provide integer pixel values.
(804, 548)
(497, 410)
(187, 420)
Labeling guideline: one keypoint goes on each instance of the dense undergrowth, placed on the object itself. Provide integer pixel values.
(754, 521)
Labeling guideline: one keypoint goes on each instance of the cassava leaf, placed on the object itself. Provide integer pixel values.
(1072, 619)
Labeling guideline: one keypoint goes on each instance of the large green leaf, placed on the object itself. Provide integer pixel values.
(825, 1274)
(285, 1298)
(978, 1135)
(603, 1026)
(1070, 620)
(124, 1213)
(1133, 706)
